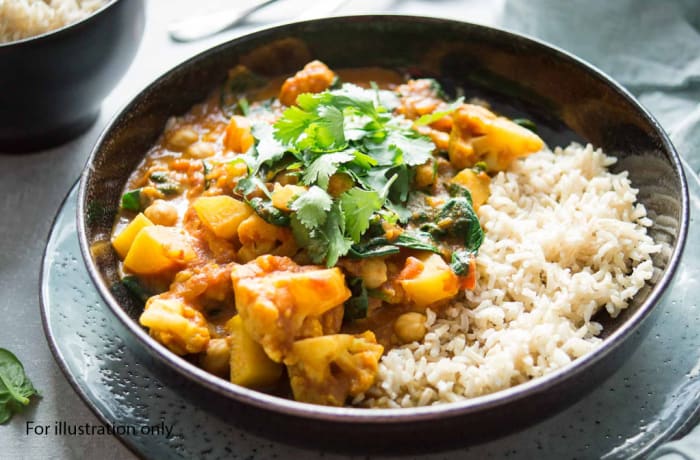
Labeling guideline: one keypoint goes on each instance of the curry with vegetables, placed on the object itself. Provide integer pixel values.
(285, 233)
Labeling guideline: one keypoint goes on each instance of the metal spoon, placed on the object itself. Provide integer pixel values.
(204, 26)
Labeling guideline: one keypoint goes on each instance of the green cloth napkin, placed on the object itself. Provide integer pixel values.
(652, 47)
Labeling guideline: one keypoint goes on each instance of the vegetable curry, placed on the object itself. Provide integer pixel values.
(284, 233)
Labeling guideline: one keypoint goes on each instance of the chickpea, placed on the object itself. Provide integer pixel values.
(161, 212)
(182, 138)
(339, 183)
(200, 150)
(373, 272)
(287, 178)
(410, 327)
(425, 175)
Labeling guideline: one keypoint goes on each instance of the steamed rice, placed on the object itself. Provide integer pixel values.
(26, 18)
(564, 238)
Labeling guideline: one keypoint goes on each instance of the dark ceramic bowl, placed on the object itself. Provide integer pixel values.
(53, 84)
(567, 98)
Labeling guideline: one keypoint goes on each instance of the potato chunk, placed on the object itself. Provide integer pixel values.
(282, 195)
(313, 78)
(239, 137)
(428, 279)
(123, 241)
(250, 366)
(274, 297)
(479, 135)
(478, 184)
(157, 249)
(176, 325)
(329, 369)
(222, 214)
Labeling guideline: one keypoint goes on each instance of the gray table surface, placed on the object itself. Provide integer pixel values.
(32, 187)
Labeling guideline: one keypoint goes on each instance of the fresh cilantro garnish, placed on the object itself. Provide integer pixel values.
(326, 242)
(358, 206)
(350, 131)
(268, 148)
(323, 167)
(312, 207)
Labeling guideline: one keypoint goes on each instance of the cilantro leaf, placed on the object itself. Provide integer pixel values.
(412, 148)
(250, 184)
(268, 149)
(332, 124)
(363, 160)
(292, 124)
(327, 242)
(358, 206)
(323, 167)
(312, 207)
(334, 231)
(353, 130)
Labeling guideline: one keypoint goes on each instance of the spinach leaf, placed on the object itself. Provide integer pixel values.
(169, 188)
(15, 386)
(527, 124)
(269, 213)
(421, 241)
(460, 262)
(463, 222)
(206, 169)
(97, 213)
(160, 177)
(356, 306)
(380, 245)
(133, 285)
(374, 247)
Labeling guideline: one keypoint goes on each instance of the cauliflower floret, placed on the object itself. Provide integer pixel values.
(259, 237)
(207, 285)
(479, 135)
(329, 369)
(176, 325)
(275, 297)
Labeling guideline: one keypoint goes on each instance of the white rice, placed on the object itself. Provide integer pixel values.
(26, 18)
(564, 238)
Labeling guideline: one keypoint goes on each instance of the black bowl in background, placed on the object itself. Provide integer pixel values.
(52, 85)
(567, 98)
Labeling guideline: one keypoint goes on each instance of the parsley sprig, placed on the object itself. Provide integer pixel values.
(350, 131)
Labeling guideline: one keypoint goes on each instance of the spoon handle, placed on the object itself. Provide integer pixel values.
(203, 26)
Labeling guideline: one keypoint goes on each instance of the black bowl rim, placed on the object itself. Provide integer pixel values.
(56, 33)
(392, 415)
